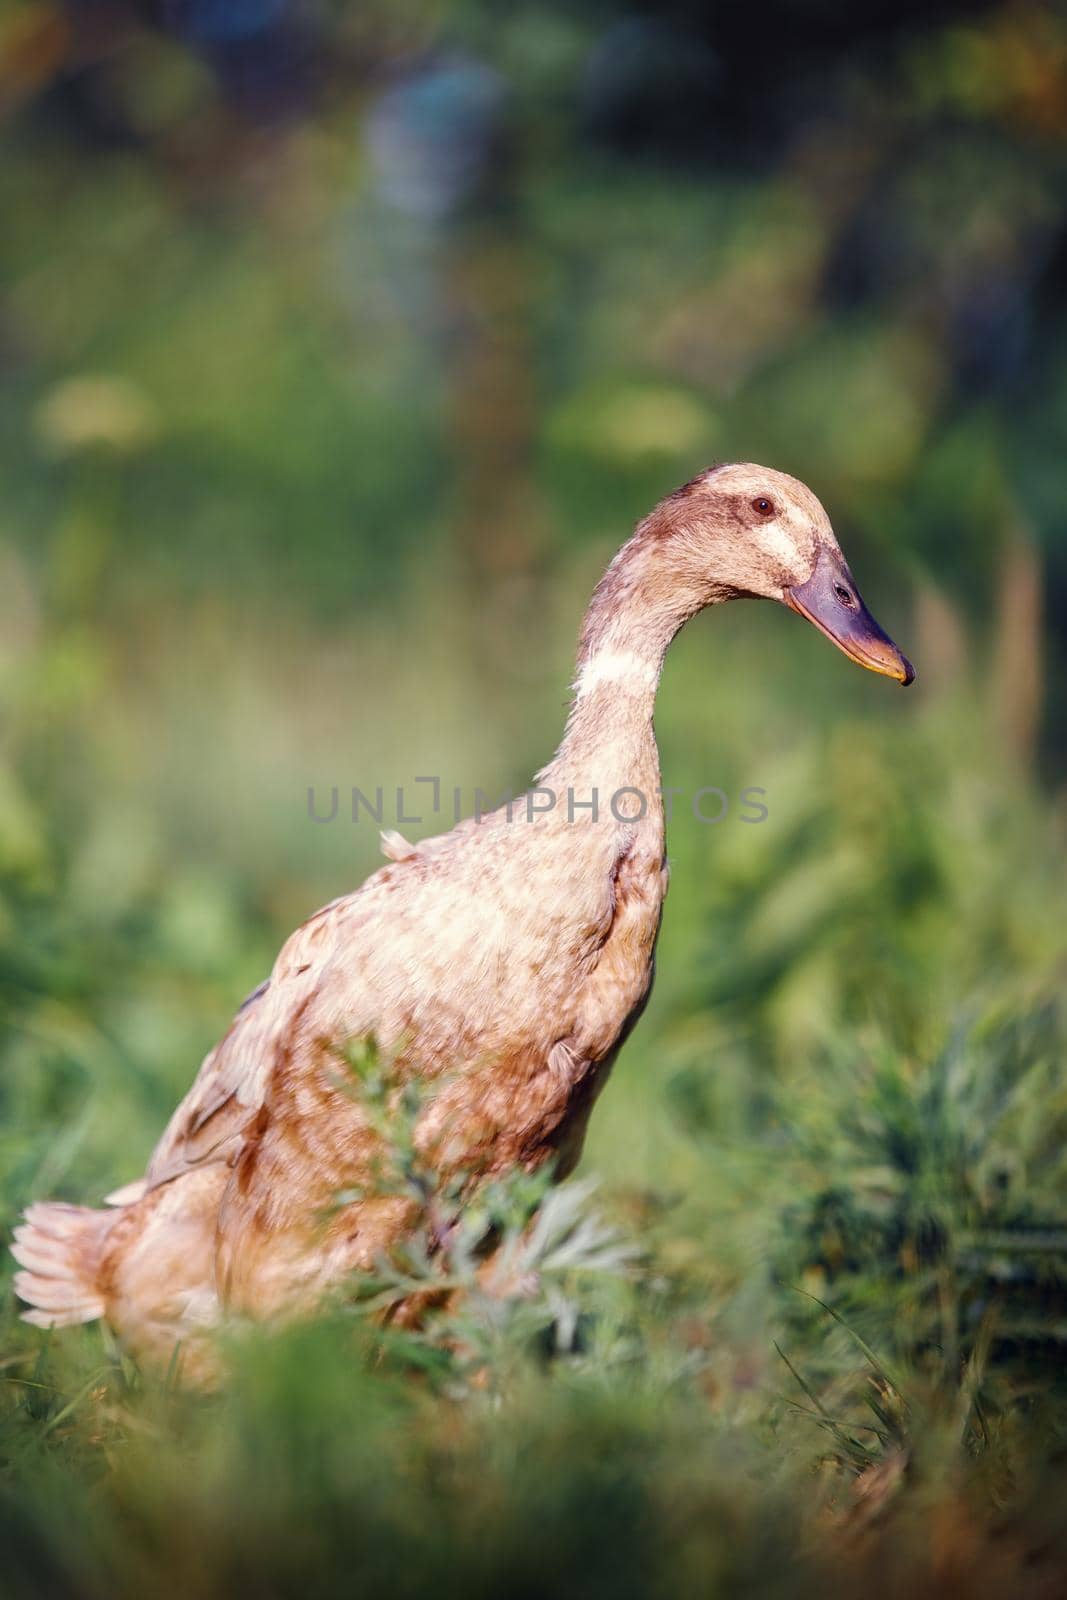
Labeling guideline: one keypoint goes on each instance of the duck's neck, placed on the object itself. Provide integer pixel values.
(609, 742)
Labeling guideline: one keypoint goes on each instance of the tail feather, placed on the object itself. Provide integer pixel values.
(59, 1248)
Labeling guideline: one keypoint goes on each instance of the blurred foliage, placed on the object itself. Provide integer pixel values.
(341, 346)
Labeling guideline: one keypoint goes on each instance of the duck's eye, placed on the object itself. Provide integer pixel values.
(844, 595)
(764, 506)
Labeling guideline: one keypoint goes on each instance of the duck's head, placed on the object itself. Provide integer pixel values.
(749, 530)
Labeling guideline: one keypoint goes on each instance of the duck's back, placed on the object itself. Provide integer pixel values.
(473, 947)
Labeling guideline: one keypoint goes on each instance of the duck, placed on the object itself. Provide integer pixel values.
(500, 966)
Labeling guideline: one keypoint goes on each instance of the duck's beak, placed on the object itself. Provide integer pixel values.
(832, 602)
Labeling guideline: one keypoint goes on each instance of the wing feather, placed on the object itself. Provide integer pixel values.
(211, 1124)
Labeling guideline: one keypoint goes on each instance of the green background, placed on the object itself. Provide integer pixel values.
(341, 346)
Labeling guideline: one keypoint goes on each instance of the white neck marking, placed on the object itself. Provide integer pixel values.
(624, 667)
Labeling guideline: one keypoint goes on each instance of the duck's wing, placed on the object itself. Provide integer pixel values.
(375, 962)
(216, 1117)
(213, 1121)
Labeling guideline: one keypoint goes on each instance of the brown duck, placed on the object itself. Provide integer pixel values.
(502, 963)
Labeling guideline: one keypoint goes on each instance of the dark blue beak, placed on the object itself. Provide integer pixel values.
(832, 602)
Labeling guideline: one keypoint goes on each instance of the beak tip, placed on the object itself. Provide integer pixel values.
(909, 672)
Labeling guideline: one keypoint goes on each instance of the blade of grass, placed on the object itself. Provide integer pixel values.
(882, 1368)
(852, 1447)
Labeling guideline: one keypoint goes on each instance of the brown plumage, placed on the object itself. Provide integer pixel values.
(502, 963)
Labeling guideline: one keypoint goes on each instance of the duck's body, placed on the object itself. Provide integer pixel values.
(501, 964)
